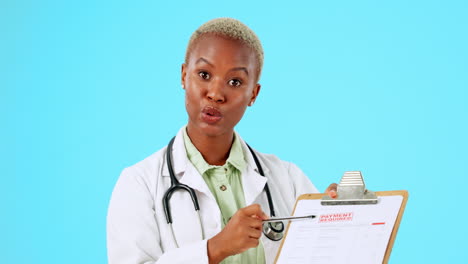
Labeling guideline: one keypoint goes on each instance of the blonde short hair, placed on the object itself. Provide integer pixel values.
(232, 29)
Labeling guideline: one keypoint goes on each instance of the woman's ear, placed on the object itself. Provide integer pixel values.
(183, 74)
(255, 92)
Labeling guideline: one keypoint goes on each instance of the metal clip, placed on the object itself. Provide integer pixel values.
(351, 190)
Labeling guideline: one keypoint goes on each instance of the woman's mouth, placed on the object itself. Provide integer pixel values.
(211, 115)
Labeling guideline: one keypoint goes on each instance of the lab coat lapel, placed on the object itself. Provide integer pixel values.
(252, 182)
(179, 156)
(193, 179)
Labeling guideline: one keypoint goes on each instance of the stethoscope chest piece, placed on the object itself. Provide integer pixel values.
(273, 230)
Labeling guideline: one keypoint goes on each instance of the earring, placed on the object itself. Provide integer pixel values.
(251, 103)
(183, 87)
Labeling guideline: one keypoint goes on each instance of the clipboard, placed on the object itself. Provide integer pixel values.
(351, 191)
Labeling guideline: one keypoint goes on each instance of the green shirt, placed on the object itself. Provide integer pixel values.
(225, 183)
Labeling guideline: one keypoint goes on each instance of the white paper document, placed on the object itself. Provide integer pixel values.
(341, 233)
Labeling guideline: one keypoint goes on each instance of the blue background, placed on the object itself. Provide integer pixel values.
(91, 87)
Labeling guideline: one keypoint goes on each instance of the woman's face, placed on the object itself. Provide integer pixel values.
(220, 81)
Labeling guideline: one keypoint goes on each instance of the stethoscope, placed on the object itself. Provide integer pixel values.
(272, 230)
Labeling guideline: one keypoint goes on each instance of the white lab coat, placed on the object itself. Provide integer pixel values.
(137, 231)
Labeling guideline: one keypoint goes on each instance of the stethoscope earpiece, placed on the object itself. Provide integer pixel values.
(273, 230)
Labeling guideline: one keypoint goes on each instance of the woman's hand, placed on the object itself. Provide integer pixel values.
(331, 190)
(242, 232)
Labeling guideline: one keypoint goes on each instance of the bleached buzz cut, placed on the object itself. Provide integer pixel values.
(229, 28)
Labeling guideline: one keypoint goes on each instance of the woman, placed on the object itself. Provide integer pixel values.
(220, 76)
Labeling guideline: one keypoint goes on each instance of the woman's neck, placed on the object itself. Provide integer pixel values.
(214, 149)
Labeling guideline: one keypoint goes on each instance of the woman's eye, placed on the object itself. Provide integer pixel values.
(204, 75)
(235, 82)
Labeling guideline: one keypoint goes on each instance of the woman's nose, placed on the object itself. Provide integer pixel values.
(215, 91)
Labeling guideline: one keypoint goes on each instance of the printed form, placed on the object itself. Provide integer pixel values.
(341, 233)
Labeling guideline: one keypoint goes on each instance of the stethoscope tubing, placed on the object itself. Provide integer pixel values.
(273, 231)
(175, 185)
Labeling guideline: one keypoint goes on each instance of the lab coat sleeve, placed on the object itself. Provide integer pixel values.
(132, 231)
(302, 183)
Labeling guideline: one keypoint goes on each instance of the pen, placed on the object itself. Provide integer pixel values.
(290, 218)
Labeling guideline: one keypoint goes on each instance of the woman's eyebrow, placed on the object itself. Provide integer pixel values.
(201, 59)
(240, 69)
